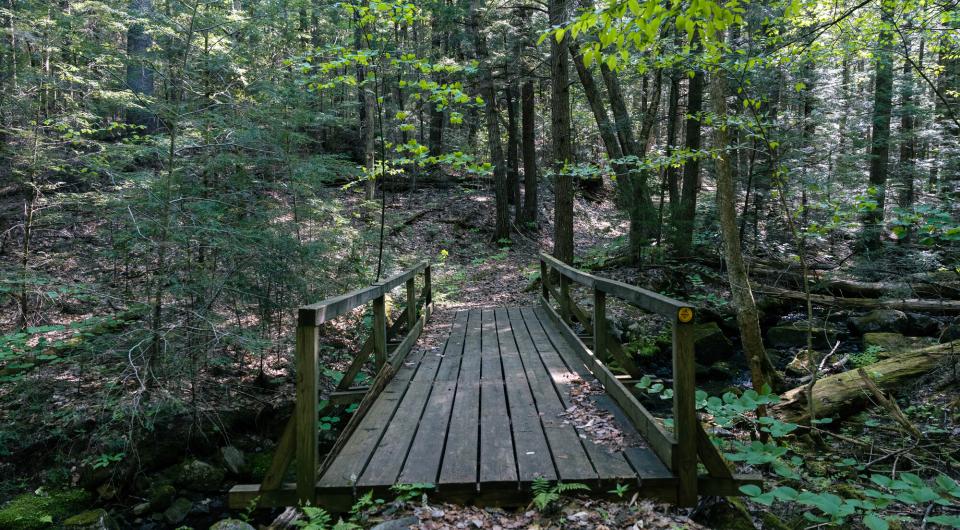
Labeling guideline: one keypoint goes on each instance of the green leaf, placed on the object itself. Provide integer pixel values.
(873, 522)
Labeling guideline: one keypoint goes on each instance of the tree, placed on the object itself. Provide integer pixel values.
(560, 133)
(880, 131)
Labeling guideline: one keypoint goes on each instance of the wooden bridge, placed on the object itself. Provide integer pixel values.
(482, 418)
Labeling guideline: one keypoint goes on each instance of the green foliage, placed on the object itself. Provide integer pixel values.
(620, 490)
(867, 356)
(545, 494)
(411, 492)
(41, 509)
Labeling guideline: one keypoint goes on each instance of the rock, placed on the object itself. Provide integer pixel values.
(951, 332)
(724, 513)
(722, 370)
(91, 520)
(233, 459)
(891, 344)
(890, 320)
(398, 524)
(140, 509)
(710, 344)
(794, 335)
(923, 325)
(32, 510)
(161, 496)
(199, 476)
(177, 511)
(231, 524)
(107, 491)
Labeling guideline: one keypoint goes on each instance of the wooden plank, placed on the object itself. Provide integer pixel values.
(600, 325)
(711, 457)
(348, 461)
(307, 438)
(613, 347)
(282, 456)
(544, 280)
(460, 454)
(649, 428)
(387, 459)
(649, 467)
(569, 456)
(530, 442)
(423, 461)
(608, 464)
(497, 459)
(380, 331)
(685, 419)
(398, 279)
(354, 369)
(320, 312)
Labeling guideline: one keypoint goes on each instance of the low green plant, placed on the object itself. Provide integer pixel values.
(411, 492)
(620, 490)
(545, 494)
(104, 460)
(868, 356)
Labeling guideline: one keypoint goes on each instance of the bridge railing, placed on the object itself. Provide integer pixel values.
(677, 450)
(301, 436)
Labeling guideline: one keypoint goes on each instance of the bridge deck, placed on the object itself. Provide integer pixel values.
(484, 418)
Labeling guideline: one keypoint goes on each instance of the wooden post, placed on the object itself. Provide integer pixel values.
(684, 408)
(544, 280)
(411, 304)
(427, 286)
(380, 330)
(600, 324)
(307, 438)
(564, 300)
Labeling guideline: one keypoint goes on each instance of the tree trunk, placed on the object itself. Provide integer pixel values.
(846, 393)
(670, 174)
(684, 217)
(513, 157)
(908, 141)
(560, 132)
(747, 316)
(139, 74)
(528, 111)
(489, 94)
(880, 133)
(608, 132)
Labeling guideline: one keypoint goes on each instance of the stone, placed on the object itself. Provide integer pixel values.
(233, 459)
(140, 509)
(33, 510)
(888, 320)
(177, 511)
(923, 325)
(722, 370)
(710, 344)
(161, 496)
(91, 520)
(724, 513)
(231, 524)
(794, 335)
(951, 332)
(892, 344)
(197, 475)
(398, 524)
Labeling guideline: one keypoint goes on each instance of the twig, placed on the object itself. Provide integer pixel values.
(888, 404)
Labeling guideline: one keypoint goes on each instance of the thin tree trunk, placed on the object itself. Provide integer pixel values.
(528, 112)
(685, 216)
(880, 133)
(562, 145)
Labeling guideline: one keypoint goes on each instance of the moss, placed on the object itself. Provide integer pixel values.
(772, 522)
(29, 511)
(259, 464)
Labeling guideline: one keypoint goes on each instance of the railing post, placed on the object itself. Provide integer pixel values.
(380, 330)
(427, 286)
(564, 300)
(544, 280)
(308, 442)
(600, 324)
(684, 407)
(411, 303)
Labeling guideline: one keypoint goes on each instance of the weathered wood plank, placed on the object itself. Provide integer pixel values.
(660, 441)
(282, 456)
(388, 457)
(569, 456)
(307, 438)
(497, 460)
(530, 442)
(460, 455)
(685, 420)
(320, 312)
(423, 461)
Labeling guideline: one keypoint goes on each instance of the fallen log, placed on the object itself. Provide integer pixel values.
(920, 305)
(946, 287)
(846, 393)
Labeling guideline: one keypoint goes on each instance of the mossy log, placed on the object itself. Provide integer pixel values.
(944, 307)
(940, 285)
(846, 393)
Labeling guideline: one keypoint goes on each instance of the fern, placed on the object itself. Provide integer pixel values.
(545, 495)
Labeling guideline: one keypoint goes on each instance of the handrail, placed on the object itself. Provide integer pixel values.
(301, 438)
(320, 312)
(637, 296)
(680, 451)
